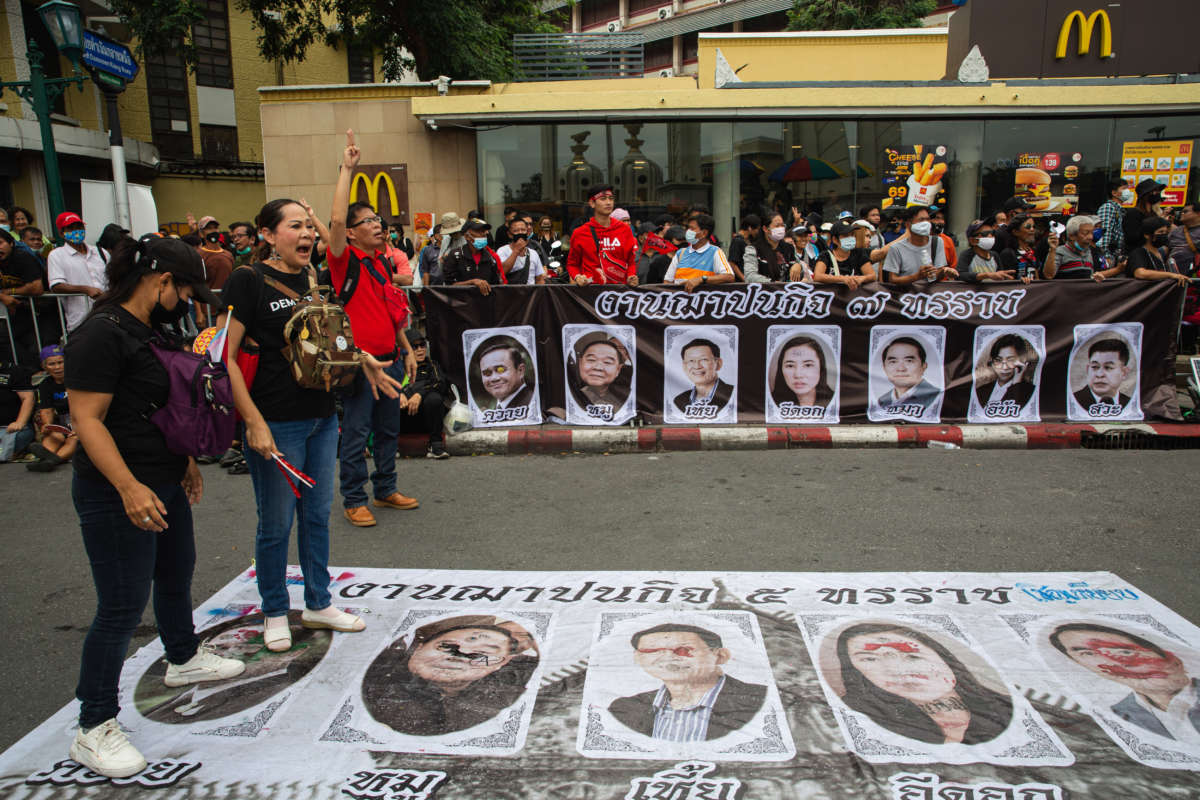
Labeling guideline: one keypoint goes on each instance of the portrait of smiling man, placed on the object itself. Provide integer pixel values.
(502, 373)
(904, 364)
(1163, 698)
(599, 370)
(697, 700)
(702, 363)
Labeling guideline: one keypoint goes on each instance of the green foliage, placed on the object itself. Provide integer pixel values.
(839, 15)
(464, 39)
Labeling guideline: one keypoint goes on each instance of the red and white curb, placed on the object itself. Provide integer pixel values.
(525, 441)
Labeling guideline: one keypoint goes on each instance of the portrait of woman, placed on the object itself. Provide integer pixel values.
(801, 374)
(454, 674)
(599, 374)
(266, 674)
(912, 685)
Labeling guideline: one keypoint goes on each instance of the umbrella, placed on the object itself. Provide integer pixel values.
(864, 171)
(805, 169)
(750, 166)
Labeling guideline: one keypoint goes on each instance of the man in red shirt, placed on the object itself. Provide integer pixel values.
(602, 249)
(378, 314)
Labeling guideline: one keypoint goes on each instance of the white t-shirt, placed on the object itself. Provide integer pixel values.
(66, 265)
(535, 261)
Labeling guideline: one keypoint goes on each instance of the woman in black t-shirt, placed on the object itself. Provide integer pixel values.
(131, 493)
(846, 262)
(284, 419)
(1150, 261)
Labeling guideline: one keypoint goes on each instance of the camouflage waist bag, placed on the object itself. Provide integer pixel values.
(320, 343)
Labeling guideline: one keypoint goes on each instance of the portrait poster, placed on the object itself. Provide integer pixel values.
(638, 660)
(318, 734)
(238, 707)
(1134, 675)
(600, 362)
(701, 367)
(1105, 365)
(803, 373)
(1007, 377)
(502, 376)
(906, 373)
(917, 689)
(457, 681)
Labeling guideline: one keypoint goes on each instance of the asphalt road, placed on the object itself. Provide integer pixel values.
(806, 510)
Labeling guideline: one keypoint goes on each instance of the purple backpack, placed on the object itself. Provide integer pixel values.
(198, 419)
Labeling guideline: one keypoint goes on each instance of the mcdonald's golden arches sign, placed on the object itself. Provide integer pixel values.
(384, 187)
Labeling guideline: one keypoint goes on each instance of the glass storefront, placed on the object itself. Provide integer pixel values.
(757, 166)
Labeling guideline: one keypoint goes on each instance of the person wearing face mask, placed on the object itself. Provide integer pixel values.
(243, 238)
(474, 263)
(1184, 239)
(1149, 195)
(1077, 257)
(218, 265)
(429, 263)
(807, 253)
(131, 493)
(1151, 261)
(849, 260)
(1111, 217)
(20, 282)
(521, 262)
(768, 256)
(980, 263)
(700, 263)
(399, 267)
(917, 255)
(76, 268)
(938, 217)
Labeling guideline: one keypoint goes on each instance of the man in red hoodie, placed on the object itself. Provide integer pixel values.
(602, 250)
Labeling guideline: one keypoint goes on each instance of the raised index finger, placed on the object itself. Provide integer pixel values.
(349, 138)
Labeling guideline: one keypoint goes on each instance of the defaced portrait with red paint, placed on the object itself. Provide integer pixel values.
(908, 682)
(1163, 697)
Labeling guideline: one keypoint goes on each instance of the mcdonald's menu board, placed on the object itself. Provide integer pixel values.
(915, 175)
(1166, 162)
(1050, 181)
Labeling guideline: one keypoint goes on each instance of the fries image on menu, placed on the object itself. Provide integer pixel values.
(925, 181)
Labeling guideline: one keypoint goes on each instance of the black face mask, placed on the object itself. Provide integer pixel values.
(161, 315)
(938, 227)
(1159, 240)
(1155, 199)
(520, 237)
(213, 237)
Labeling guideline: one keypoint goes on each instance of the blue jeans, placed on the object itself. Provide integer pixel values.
(362, 414)
(126, 563)
(309, 445)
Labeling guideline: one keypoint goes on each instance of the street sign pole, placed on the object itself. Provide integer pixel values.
(111, 65)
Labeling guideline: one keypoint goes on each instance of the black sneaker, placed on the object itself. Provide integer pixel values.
(437, 449)
(45, 464)
(239, 468)
(231, 457)
(206, 459)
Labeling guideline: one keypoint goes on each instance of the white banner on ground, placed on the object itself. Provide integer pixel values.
(640, 685)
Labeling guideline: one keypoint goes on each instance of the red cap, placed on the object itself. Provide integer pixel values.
(67, 218)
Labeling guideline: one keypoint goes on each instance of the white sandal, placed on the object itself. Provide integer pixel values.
(277, 634)
(341, 621)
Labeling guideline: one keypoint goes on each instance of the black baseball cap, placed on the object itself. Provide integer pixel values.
(161, 254)
(842, 228)
(477, 225)
(414, 336)
(974, 227)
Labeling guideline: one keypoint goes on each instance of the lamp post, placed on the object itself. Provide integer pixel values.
(64, 22)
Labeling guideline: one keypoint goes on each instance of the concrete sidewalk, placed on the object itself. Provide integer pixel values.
(552, 439)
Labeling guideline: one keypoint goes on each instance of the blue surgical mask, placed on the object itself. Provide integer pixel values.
(690, 235)
(6, 227)
(847, 242)
(479, 243)
(76, 236)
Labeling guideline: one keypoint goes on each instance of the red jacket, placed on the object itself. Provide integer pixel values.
(617, 260)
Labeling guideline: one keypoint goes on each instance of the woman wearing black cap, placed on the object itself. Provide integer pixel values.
(132, 494)
(1149, 195)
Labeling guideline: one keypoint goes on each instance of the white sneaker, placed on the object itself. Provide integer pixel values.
(204, 666)
(106, 750)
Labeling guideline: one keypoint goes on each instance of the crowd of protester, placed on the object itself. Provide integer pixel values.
(86, 401)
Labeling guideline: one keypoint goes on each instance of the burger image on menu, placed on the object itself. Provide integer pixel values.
(1033, 186)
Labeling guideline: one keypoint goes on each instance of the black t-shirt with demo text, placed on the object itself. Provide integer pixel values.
(13, 379)
(53, 395)
(851, 266)
(109, 353)
(264, 310)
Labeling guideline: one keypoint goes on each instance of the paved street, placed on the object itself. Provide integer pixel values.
(851, 510)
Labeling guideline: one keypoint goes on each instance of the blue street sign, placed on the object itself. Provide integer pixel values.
(108, 56)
